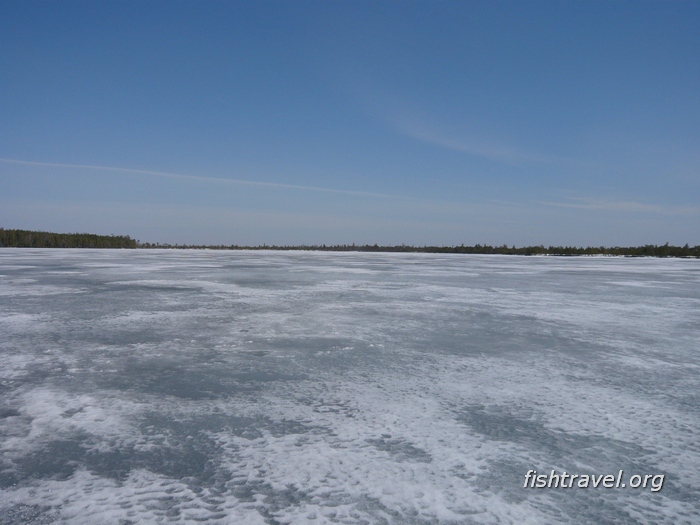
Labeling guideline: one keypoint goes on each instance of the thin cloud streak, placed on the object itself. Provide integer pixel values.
(395, 115)
(479, 149)
(624, 206)
(198, 178)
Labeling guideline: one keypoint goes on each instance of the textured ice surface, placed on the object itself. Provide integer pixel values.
(270, 387)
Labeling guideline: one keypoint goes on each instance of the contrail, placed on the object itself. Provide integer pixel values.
(180, 176)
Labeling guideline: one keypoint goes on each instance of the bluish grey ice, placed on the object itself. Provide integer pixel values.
(270, 387)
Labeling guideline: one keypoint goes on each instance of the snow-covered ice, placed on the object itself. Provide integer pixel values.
(236, 387)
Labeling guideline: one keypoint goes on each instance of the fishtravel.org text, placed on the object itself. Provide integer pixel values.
(533, 480)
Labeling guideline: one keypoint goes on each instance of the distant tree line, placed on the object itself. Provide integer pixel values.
(649, 250)
(32, 239)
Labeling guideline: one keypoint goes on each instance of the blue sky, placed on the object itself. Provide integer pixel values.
(340, 122)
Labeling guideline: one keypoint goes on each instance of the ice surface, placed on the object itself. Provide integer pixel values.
(271, 387)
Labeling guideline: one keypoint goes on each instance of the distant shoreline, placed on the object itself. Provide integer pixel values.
(38, 239)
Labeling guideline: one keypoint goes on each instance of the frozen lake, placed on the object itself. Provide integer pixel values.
(272, 387)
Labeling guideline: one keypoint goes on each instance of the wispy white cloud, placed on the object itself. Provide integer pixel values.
(399, 114)
(489, 150)
(197, 178)
(417, 129)
(624, 206)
